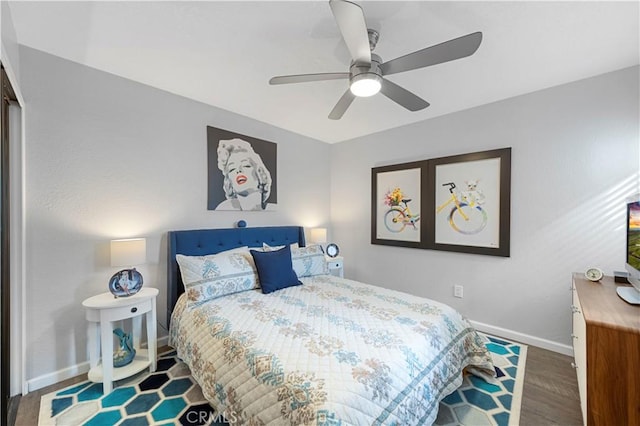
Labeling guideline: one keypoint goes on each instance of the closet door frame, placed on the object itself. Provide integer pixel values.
(8, 95)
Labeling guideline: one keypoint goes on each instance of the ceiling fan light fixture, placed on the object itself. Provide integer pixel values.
(367, 73)
(365, 85)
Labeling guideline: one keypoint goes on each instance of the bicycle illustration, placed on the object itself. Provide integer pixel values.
(398, 217)
(465, 217)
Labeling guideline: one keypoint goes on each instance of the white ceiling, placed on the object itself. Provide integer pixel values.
(224, 53)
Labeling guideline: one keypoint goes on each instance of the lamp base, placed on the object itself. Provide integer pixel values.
(126, 282)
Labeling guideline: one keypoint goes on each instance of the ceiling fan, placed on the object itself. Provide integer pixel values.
(367, 71)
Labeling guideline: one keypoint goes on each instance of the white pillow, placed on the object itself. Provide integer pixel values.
(209, 277)
(267, 247)
(243, 249)
(309, 261)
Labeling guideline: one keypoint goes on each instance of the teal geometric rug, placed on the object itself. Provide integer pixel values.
(170, 396)
(479, 403)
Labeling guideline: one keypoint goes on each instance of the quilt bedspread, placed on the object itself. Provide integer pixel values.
(330, 352)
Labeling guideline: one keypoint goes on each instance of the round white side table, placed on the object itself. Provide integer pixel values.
(101, 311)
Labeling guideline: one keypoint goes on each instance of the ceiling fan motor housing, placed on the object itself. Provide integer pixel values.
(370, 72)
(373, 38)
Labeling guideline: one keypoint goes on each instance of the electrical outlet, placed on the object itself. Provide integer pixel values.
(457, 291)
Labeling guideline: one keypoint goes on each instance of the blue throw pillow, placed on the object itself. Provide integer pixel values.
(275, 269)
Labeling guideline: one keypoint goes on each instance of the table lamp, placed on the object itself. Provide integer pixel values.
(127, 252)
(318, 236)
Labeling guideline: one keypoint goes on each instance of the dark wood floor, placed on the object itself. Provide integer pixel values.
(550, 394)
(29, 407)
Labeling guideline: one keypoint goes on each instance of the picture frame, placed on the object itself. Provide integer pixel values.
(469, 203)
(242, 172)
(397, 200)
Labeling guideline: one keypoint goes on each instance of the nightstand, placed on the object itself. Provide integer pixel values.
(101, 311)
(335, 265)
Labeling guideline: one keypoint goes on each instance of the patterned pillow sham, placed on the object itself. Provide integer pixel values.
(309, 261)
(212, 276)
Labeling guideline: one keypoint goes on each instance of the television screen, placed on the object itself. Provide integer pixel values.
(633, 235)
(632, 294)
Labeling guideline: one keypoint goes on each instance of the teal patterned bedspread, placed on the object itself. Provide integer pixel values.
(330, 352)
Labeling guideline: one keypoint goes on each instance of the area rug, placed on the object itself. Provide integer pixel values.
(170, 396)
(479, 403)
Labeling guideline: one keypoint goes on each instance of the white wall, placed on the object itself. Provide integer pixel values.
(110, 158)
(9, 44)
(574, 160)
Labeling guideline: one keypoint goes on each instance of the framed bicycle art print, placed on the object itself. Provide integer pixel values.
(396, 203)
(460, 203)
(469, 207)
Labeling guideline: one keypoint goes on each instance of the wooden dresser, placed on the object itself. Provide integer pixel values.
(606, 345)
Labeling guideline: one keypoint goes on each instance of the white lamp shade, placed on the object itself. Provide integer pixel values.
(129, 252)
(319, 235)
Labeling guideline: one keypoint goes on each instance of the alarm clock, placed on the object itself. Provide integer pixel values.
(332, 250)
(594, 274)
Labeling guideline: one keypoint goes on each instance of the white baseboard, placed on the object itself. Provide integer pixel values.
(57, 376)
(69, 372)
(524, 338)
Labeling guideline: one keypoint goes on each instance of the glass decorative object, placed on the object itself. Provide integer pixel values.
(125, 352)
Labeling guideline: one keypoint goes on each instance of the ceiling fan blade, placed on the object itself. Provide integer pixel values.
(402, 96)
(304, 78)
(350, 19)
(444, 52)
(338, 111)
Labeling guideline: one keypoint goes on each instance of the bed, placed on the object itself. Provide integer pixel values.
(331, 351)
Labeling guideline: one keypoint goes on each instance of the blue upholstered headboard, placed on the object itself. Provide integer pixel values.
(201, 242)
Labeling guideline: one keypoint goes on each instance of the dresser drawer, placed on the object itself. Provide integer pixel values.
(579, 338)
(334, 264)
